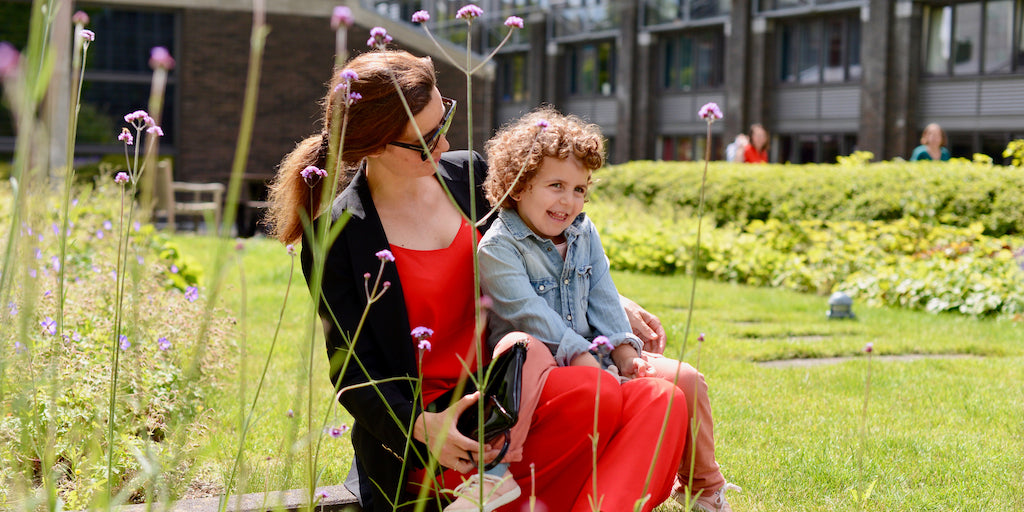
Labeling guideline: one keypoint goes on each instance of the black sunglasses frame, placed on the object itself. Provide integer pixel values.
(434, 136)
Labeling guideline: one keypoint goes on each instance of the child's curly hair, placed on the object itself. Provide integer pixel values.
(523, 144)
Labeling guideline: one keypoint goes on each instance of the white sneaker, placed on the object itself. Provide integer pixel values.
(498, 491)
(714, 502)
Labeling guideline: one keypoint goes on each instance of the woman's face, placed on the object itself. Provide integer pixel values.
(932, 136)
(759, 137)
(429, 119)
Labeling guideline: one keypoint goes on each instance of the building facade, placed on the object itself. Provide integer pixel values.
(825, 77)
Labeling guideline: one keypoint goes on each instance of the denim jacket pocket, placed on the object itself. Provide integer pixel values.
(583, 284)
(544, 285)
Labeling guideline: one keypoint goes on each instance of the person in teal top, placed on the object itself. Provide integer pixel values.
(933, 145)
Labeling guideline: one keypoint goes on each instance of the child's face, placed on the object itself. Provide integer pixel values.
(554, 197)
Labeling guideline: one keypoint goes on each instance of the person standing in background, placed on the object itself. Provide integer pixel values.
(757, 151)
(933, 145)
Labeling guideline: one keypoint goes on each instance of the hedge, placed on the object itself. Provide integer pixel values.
(956, 193)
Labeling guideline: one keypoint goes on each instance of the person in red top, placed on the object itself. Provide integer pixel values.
(396, 207)
(757, 151)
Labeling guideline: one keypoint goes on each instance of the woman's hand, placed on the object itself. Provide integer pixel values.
(645, 326)
(448, 445)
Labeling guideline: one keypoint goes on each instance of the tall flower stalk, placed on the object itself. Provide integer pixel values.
(709, 113)
(145, 129)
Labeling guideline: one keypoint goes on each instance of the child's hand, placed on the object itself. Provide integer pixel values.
(625, 357)
(585, 359)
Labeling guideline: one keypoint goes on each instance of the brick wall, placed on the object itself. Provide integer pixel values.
(297, 64)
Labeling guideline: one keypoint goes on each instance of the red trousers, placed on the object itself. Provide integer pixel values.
(561, 454)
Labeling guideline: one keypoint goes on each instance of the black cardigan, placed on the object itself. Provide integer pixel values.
(384, 347)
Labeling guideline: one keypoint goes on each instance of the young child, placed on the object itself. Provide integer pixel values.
(543, 266)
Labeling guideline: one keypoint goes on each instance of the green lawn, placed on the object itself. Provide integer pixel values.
(942, 433)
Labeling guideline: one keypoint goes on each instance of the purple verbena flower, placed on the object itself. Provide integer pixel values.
(289, 413)
(700, 337)
(80, 18)
(126, 136)
(160, 58)
(423, 346)
(348, 75)
(869, 348)
(336, 432)
(469, 12)
(49, 326)
(138, 115)
(9, 58)
(354, 97)
(601, 341)
(76, 336)
(155, 130)
(385, 255)
(514, 22)
(121, 178)
(378, 37)
(162, 343)
(422, 333)
(420, 17)
(107, 225)
(341, 16)
(291, 249)
(191, 293)
(88, 35)
(99, 234)
(710, 112)
(312, 175)
(322, 495)
(124, 343)
(174, 268)
(543, 124)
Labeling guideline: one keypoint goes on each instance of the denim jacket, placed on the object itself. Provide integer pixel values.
(565, 304)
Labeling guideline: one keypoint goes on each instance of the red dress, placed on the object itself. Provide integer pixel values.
(752, 156)
(558, 458)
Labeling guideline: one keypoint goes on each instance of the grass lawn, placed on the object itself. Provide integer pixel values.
(942, 433)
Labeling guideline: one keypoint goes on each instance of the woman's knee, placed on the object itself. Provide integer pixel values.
(654, 398)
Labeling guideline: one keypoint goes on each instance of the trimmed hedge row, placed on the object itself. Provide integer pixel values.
(953, 193)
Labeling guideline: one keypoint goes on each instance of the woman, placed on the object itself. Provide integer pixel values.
(396, 202)
(933, 145)
(757, 151)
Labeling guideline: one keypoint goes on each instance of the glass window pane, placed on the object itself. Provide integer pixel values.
(605, 71)
(833, 71)
(810, 49)
(706, 61)
(967, 39)
(787, 53)
(685, 63)
(998, 35)
(1020, 39)
(853, 48)
(700, 9)
(940, 31)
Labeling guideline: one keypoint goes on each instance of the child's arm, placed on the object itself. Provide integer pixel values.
(585, 359)
(604, 309)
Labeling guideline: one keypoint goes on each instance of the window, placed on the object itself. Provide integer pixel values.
(574, 17)
(693, 60)
(816, 50)
(668, 11)
(688, 148)
(592, 69)
(815, 148)
(971, 38)
(512, 77)
(117, 73)
(779, 5)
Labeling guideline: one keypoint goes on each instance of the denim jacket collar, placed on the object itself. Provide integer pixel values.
(520, 231)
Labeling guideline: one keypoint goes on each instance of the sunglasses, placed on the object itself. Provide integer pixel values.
(434, 136)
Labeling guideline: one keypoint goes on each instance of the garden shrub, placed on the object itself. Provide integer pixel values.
(955, 193)
(56, 386)
(880, 262)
